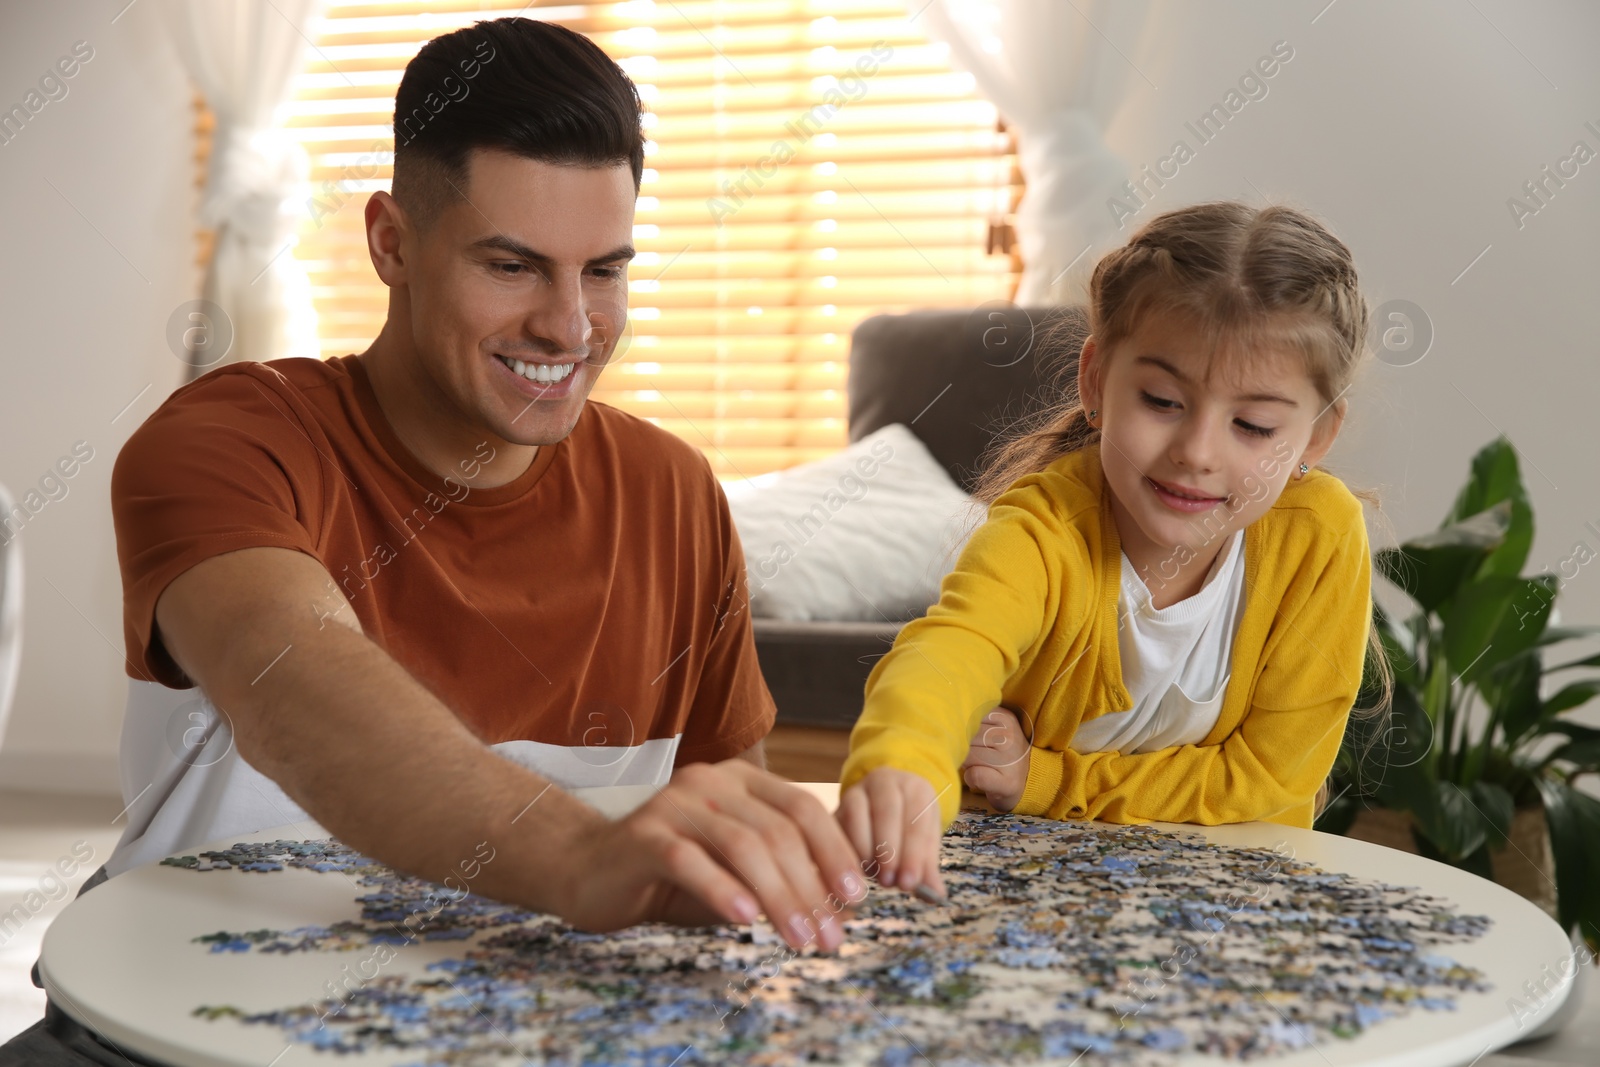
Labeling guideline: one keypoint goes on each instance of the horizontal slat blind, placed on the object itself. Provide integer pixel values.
(753, 269)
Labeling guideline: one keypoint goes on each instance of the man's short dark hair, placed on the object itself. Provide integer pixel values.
(519, 85)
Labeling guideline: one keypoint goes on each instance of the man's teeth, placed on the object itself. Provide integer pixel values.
(540, 372)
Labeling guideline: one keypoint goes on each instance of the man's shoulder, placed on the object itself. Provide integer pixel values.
(293, 372)
(605, 433)
(253, 385)
(241, 409)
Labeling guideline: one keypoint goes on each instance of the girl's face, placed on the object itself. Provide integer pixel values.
(1167, 429)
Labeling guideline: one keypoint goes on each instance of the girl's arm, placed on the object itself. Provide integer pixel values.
(1271, 766)
(926, 697)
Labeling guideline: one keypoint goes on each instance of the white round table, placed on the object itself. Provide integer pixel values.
(121, 959)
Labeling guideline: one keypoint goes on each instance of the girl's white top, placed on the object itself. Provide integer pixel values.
(1175, 660)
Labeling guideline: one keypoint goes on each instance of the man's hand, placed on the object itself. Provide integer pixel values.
(388, 769)
(997, 763)
(892, 818)
(718, 844)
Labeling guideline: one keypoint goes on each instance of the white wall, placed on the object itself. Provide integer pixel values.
(1406, 126)
(90, 270)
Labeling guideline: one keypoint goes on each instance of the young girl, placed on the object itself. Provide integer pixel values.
(1171, 596)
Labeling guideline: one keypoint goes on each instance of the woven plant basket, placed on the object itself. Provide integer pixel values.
(1523, 865)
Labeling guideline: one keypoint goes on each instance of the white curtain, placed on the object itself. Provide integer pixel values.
(243, 55)
(10, 608)
(1052, 72)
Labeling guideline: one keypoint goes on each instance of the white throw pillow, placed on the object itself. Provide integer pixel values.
(863, 535)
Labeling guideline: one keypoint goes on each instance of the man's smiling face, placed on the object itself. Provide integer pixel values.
(531, 268)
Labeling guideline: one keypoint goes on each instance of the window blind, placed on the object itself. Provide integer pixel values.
(810, 162)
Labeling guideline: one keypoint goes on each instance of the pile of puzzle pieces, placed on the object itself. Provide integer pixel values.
(1058, 941)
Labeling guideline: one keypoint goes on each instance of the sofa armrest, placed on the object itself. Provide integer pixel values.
(817, 671)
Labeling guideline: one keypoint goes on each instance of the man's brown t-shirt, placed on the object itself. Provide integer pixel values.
(596, 600)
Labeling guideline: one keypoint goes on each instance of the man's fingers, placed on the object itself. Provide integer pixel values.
(707, 883)
(826, 844)
(787, 842)
(742, 848)
(724, 843)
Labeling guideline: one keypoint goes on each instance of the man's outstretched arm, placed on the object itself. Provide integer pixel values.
(388, 769)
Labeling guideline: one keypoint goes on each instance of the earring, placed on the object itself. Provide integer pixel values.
(1093, 412)
(1304, 468)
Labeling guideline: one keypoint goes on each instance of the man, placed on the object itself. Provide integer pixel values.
(420, 589)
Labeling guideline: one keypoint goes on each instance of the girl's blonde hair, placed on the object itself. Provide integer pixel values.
(1247, 280)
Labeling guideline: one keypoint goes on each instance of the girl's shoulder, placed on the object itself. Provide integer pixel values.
(1321, 492)
(1066, 491)
(1320, 506)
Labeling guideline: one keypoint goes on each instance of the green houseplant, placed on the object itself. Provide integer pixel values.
(1469, 741)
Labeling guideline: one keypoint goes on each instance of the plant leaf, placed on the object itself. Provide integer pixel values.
(1399, 645)
(1584, 755)
(1574, 820)
(1431, 568)
(1581, 741)
(1409, 734)
(1411, 789)
(1576, 731)
(1386, 759)
(1494, 479)
(1492, 619)
(1494, 804)
(1508, 559)
(1511, 689)
(1477, 861)
(1589, 661)
(1459, 828)
(1582, 748)
(1553, 634)
(1570, 696)
(1338, 816)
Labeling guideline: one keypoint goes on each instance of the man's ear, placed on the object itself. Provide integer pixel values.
(1325, 432)
(389, 233)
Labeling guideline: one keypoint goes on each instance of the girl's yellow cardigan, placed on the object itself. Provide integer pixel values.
(1028, 620)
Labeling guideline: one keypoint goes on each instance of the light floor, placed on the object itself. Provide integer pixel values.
(38, 829)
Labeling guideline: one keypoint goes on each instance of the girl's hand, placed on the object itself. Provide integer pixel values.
(997, 763)
(892, 818)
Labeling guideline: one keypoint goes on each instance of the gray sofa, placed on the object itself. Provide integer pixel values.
(956, 378)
